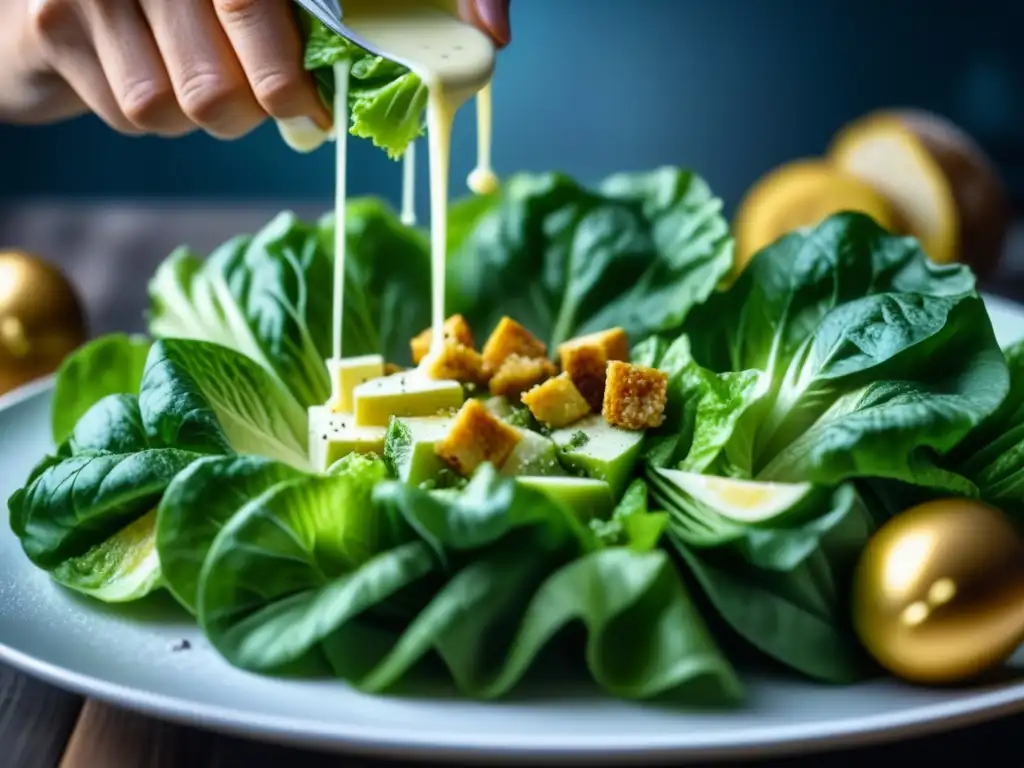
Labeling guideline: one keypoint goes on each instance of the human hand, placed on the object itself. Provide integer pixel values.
(172, 66)
(491, 16)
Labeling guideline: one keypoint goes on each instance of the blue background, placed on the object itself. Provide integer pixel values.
(727, 87)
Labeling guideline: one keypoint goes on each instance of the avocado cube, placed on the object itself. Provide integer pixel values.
(533, 455)
(409, 448)
(595, 449)
(588, 499)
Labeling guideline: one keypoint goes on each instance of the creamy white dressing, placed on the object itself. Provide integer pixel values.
(341, 70)
(482, 179)
(409, 186)
(455, 61)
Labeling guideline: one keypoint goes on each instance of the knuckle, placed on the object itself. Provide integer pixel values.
(239, 9)
(145, 103)
(206, 97)
(276, 91)
(52, 20)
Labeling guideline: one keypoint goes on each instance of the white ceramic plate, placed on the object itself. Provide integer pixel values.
(128, 657)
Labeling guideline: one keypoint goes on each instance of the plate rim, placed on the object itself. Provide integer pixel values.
(773, 740)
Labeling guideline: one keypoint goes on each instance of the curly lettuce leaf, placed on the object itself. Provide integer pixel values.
(639, 251)
(385, 100)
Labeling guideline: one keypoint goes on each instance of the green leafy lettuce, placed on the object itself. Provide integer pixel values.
(353, 575)
(992, 457)
(385, 100)
(842, 352)
(87, 513)
(639, 251)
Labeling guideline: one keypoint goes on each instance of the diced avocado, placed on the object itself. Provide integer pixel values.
(594, 448)
(347, 374)
(533, 455)
(511, 413)
(406, 394)
(589, 499)
(409, 448)
(333, 436)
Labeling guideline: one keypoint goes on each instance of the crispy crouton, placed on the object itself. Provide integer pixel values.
(614, 343)
(518, 374)
(556, 402)
(476, 436)
(634, 397)
(392, 368)
(510, 338)
(587, 366)
(456, 329)
(586, 359)
(457, 362)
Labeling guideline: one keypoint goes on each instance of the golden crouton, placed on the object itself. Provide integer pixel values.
(456, 329)
(556, 402)
(634, 397)
(457, 362)
(476, 436)
(614, 343)
(587, 366)
(518, 374)
(510, 338)
(391, 368)
(586, 359)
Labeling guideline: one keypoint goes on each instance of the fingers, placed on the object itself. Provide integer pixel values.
(267, 43)
(62, 33)
(134, 70)
(206, 76)
(490, 16)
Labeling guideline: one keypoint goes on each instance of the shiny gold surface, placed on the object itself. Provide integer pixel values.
(938, 594)
(41, 319)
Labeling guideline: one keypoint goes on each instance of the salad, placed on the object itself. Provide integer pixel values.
(624, 455)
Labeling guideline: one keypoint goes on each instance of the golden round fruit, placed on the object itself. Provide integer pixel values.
(938, 593)
(41, 319)
(939, 180)
(799, 194)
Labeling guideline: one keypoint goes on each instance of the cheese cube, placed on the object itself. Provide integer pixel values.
(410, 393)
(347, 374)
(333, 436)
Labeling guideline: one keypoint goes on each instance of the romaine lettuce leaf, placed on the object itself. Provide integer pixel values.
(782, 587)
(639, 251)
(386, 101)
(210, 399)
(992, 457)
(364, 578)
(110, 365)
(87, 514)
(873, 361)
(269, 296)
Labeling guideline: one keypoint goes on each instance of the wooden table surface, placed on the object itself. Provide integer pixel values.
(110, 251)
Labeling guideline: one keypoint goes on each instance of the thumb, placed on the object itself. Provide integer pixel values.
(490, 16)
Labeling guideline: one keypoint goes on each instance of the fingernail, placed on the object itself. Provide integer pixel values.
(301, 133)
(494, 15)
